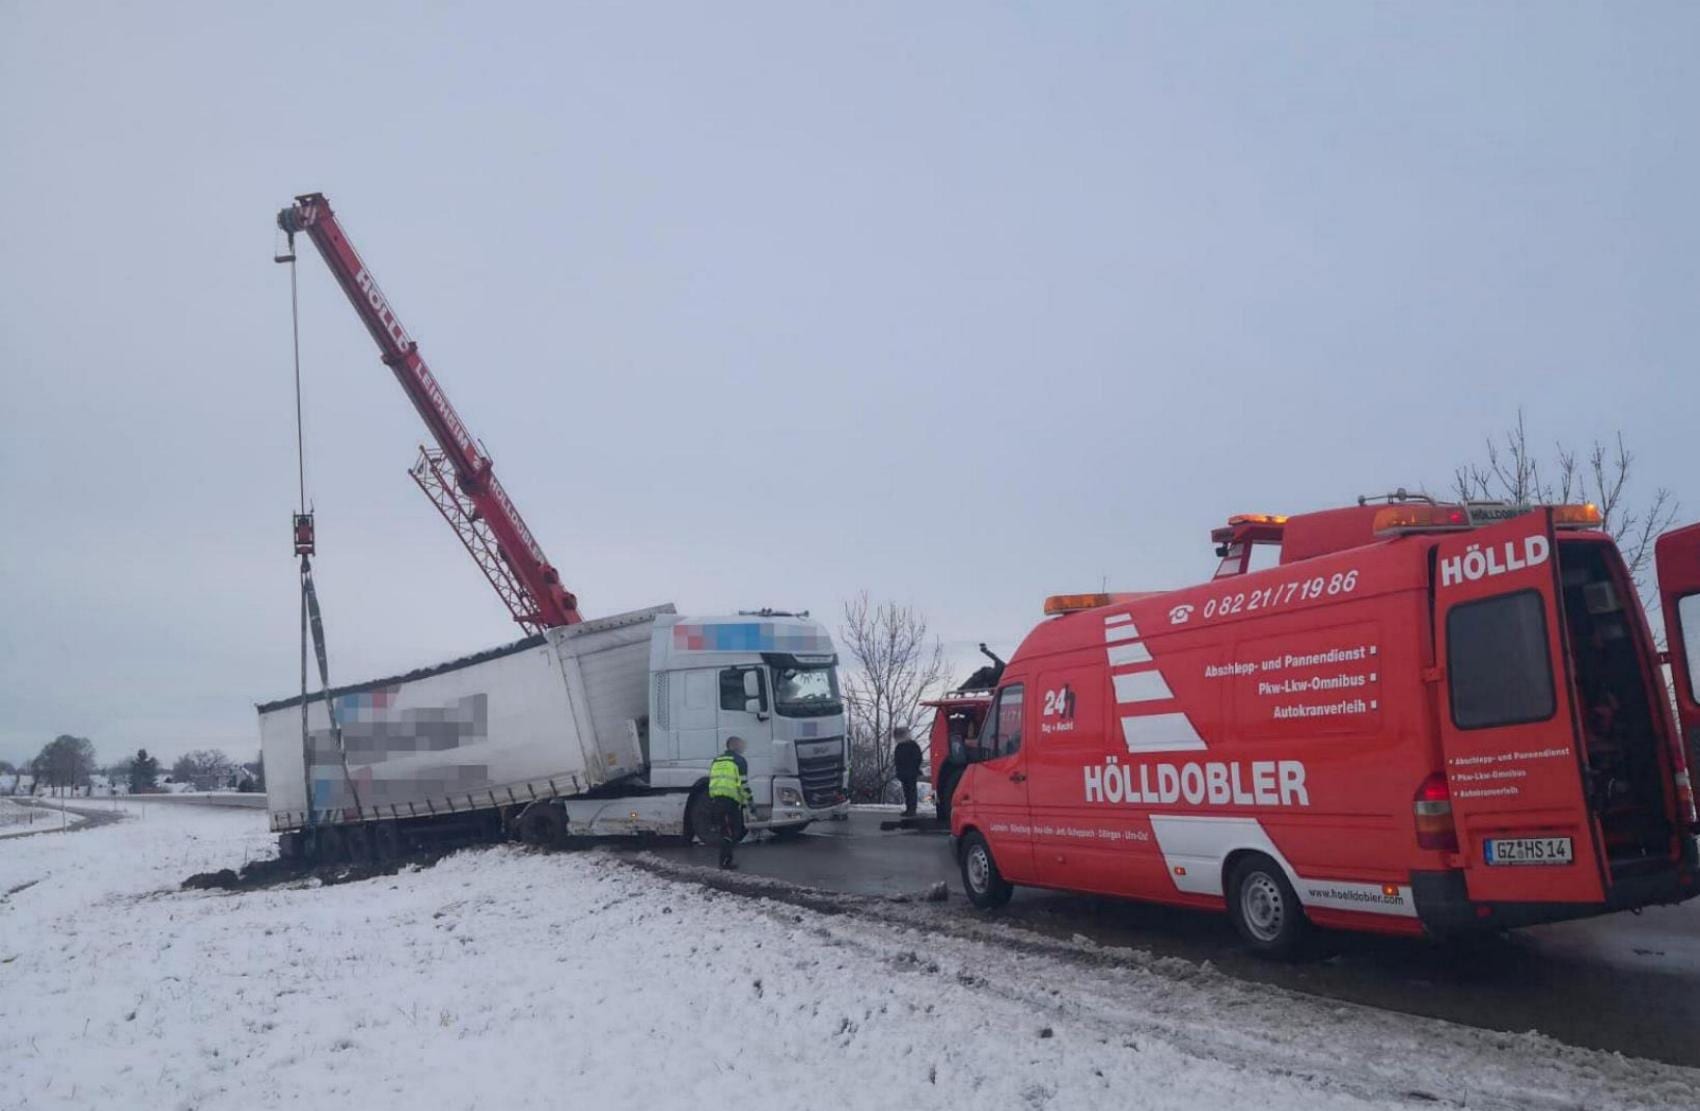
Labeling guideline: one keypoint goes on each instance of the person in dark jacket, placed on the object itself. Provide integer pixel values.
(729, 796)
(906, 761)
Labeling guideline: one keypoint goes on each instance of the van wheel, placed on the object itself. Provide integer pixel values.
(1265, 908)
(986, 887)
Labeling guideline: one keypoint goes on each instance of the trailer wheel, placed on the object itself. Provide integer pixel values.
(699, 823)
(388, 841)
(986, 887)
(1265, 909)
(544, 826)
(359, 841)
(330, 847)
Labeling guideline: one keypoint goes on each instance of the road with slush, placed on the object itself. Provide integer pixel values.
(1624, 982)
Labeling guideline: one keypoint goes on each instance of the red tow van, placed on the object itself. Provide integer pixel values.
(1425, 717)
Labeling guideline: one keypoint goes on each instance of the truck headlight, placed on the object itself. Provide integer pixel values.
(790, 796)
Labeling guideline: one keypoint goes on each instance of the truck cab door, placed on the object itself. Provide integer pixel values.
(996, 787)
(694, 717)
(1508, 721)
(746, 711)
(1677, 555)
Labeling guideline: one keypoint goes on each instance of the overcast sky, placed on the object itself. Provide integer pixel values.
(767, 304)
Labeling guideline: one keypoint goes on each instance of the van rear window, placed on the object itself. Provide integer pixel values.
(1497, 663)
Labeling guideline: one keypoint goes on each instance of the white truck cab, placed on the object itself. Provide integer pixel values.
(602, 728)
(768, 677)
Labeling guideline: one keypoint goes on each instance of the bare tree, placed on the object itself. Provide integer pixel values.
(207, 768)
(66, 762)
(894, 665)
(1603, 474)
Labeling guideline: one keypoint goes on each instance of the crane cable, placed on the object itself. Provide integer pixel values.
(311, 619)
(300, 515)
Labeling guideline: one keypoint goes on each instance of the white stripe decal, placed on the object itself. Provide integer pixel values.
(1118, 619)
(1161, 733)
(1141, 686)
(1198, 844)
(1135, 653)
(1120, 632)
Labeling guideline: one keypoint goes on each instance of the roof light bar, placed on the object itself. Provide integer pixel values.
(1073, 603)
(1586, 515)
(1258, 519)
(1398, 519)
(1418, 516)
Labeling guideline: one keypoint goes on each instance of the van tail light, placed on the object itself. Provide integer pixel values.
(1433, 810)
(1685, 796)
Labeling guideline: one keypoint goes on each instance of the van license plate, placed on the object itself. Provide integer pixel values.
(1528, 850)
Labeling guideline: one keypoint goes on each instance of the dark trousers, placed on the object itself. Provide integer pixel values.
(909, 798)
(729, 821)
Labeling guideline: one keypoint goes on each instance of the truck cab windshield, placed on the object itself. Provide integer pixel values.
(806, 691)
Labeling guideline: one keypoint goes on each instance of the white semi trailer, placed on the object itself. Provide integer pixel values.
(602, 728)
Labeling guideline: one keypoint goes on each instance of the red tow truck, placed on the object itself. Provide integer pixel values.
(1423, 718)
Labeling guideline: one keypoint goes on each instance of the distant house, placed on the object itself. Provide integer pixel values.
(17, 784)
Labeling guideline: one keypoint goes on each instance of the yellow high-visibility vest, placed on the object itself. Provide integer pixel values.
(726, 782)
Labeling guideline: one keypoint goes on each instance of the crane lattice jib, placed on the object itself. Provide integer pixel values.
(476, 505)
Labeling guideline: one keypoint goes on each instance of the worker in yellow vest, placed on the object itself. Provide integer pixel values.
(729, 796)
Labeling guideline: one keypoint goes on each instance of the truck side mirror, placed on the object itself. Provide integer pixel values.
(752, 685)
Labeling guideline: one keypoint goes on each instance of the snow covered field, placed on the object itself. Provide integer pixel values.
(504, 978)
(17, 819)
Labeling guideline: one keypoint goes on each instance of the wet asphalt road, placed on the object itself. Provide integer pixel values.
(1624, 983)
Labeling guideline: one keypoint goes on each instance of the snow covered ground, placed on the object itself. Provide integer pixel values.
(17, 819)
(505, 978)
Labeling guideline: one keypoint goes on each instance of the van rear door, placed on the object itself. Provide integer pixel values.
(1678, 557)
(1507, 718)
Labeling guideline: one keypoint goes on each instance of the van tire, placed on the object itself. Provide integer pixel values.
(986, 887)
(1265, 909)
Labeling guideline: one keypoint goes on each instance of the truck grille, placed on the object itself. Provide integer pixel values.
(820, 765)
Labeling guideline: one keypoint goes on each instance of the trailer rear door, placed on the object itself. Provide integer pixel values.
(1507, 718)
(1678, 557)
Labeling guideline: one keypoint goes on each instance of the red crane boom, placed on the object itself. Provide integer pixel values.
(456, 475)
